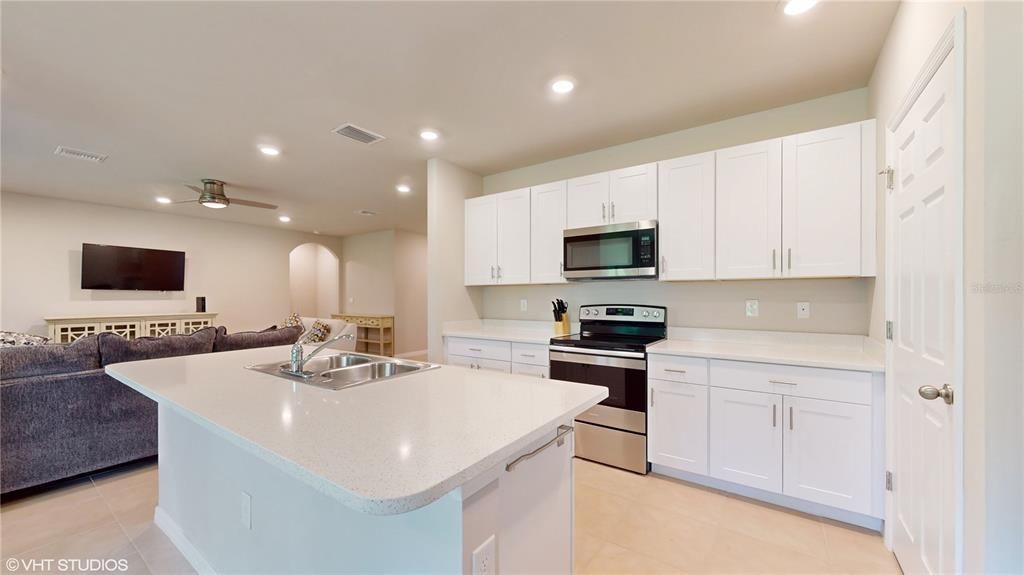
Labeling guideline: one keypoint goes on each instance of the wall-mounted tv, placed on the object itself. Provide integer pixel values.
(121, 268)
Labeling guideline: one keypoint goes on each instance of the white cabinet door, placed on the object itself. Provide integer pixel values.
(633, 194)
(746, 438)
(686, 217)
(587, 201)
(827, 452)
(531, 370)
(547, 207)
(821, 202)
(481, 242)
(677, 432)
(748, 204)
(513, 231)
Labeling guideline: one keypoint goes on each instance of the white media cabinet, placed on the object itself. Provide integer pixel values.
(67, 329)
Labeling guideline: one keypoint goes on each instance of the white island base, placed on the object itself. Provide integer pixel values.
(229, 510)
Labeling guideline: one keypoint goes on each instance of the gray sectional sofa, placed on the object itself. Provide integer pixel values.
(62, 416)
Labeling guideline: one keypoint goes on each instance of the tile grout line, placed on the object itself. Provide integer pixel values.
(121, 526)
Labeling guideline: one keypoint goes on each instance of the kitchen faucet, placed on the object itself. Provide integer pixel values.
(298, 362)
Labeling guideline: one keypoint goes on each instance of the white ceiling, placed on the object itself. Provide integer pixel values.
(175, 92)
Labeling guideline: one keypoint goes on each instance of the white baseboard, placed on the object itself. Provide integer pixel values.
(170, 528)
(410, 354)
(809, 507)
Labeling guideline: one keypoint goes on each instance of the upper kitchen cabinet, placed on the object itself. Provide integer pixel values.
(619, 196)
(748, 222)
(497, 246)
(587, 201)
(686, 217)
(633, 194)
(548, 219)
(827, 182)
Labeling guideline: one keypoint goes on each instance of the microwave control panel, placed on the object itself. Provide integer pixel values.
(647, 249)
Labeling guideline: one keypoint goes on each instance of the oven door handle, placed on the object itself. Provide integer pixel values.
(600, 360)
(602, 353)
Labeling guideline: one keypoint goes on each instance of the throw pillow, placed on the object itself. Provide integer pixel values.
(318, 332)
(294, 319)
(14, 338)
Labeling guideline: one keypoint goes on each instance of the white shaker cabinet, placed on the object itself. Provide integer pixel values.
(548, 220)
(827, 452)
(746, 438)
(821, 203)
(748, 223)
(497, 240)
(677, 417)
(686, 221)
(633, 194)
(587, 201)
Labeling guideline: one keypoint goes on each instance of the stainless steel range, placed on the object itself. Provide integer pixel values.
(611, 351)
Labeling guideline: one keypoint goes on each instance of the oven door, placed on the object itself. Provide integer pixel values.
(614, 251)
(625, 378)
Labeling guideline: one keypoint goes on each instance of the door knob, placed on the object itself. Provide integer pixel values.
(932, 392)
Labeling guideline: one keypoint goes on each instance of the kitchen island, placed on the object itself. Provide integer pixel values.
(264, 474)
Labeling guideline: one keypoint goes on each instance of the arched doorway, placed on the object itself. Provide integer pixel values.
(314, 279)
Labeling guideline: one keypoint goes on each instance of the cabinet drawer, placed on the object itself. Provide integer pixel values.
(531, 353)
(812, 382)
(480, 363)
(676, 368)
(483, 348)
(540, 371)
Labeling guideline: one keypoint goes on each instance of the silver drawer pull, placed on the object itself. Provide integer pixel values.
(563, 430)
(527, 355)
(781, 382)
(791, 418)
(675, 370)
(774, 419)
(475, 349)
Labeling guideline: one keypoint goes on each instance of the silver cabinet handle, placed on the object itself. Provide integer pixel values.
(781, 382)
(774, 418)
(474, 349)
(652, 397)
(675, 370)
(561, 269)
(789, 258)
(613, 211)
(773, 259)
(492, 272)
(663, 263)
(543, 376)
(604, 212)
(559, 438)
(527, 355)
(499, 272)
(791, 418)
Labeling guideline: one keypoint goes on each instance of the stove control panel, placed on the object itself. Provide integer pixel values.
(633, 313)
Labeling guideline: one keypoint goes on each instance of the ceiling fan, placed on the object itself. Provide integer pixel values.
(211, 195)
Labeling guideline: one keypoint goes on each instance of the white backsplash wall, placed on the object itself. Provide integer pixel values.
(837, 305)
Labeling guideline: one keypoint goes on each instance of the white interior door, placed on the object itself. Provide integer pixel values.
(633, 194)
(926, 251)
(587, 201)
(481, 241)
(514, 236)
(748, 211)
(686, 217)
(547, 212)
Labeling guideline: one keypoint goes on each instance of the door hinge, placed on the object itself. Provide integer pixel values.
(888, 480)
(888, 330)
(890, 177)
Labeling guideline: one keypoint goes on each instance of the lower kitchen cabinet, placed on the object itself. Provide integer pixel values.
(746, 438)
(540, 371)
(827, 453)
(480, 363)
(677, 420)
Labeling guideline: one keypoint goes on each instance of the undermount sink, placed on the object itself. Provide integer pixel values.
(345, 369)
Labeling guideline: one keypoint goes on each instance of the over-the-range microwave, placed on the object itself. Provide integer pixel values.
(615, 251)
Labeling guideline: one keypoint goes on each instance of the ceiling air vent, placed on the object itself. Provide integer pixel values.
(79, 154)
(358, 134)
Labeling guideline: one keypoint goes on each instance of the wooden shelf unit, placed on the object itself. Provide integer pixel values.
(374, 333)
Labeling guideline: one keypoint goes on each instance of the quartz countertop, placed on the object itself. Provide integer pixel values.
(539, 332)
(807, 354)
(382, 448)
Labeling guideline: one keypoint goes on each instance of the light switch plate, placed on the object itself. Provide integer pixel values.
(484, 558)
(753, 308)
(803, 310)
(522, 305)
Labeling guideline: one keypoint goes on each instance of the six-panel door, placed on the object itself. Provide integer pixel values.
(748, 204)
(686, 224)
(677, 422)
(746, 438)
(548, 220)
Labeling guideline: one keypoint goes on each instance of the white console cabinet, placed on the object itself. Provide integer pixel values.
(67, 329)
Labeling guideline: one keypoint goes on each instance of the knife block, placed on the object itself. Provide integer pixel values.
(563, 327)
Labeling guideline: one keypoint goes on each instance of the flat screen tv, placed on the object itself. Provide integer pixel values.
(121, 268)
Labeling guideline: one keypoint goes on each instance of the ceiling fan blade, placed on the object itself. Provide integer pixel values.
(195, 189)
(253, 204)
(186, 202)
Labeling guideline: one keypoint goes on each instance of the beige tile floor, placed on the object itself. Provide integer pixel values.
(625, 523)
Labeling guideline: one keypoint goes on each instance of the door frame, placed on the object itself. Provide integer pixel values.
(950, 44)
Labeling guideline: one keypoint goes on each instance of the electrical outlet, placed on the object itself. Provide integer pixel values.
(753, 308)
(483, 558)
(522, 305)
(803, 310)
(246, 505)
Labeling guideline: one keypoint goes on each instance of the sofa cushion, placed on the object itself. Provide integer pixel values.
(251, 339)
(32, 360)
(116, 349)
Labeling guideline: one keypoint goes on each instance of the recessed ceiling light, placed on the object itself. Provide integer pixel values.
(429, 135)
(403, 188)
(366, 212)
(794, 7)
(270, 151)
(284, 219)
(163, 200)
(562, 86)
